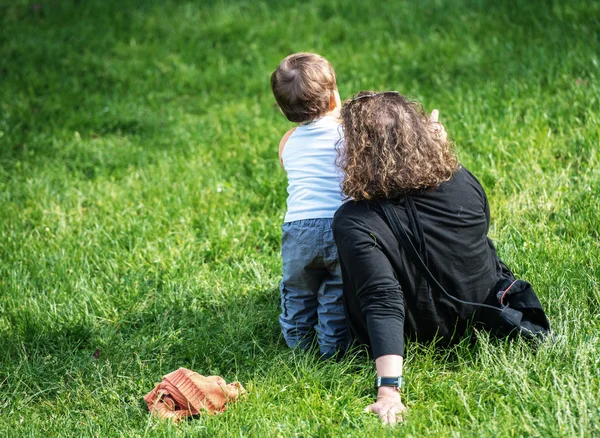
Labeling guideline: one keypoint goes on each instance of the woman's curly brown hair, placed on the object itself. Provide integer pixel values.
(391, 147)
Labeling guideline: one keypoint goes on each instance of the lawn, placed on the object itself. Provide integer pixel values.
(141, 202)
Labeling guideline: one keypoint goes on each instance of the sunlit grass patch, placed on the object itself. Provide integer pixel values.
(141, 203)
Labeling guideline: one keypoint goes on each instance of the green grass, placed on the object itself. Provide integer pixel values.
(141, 202)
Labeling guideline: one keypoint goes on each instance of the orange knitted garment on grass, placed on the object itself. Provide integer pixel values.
(184, 392)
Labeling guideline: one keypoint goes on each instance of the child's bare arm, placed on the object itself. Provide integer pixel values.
(282, 144)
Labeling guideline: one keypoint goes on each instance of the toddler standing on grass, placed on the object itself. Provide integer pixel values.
(304, 86)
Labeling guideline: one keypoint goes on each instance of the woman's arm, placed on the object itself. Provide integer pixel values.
(389, 405)
(371, 277)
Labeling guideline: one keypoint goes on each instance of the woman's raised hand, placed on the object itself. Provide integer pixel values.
(437, 126)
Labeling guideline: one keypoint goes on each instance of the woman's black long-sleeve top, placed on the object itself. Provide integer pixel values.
(385, 295)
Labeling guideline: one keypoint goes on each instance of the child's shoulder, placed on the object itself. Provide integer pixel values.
(285, 138)
(283, 141)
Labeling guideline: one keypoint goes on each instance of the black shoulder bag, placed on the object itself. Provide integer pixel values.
(512, 308)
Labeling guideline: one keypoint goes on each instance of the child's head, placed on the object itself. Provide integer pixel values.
(304, 87)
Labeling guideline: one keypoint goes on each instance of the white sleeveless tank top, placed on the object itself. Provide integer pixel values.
(314, 180)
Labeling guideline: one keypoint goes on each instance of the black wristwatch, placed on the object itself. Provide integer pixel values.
(396, 382)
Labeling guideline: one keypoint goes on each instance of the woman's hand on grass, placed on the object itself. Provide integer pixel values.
(388, 406)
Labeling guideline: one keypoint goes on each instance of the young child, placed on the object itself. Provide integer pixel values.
(305, 89)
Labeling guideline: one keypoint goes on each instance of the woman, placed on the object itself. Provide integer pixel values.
(402, 172)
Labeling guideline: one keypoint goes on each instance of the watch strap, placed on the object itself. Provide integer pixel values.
(394, 381)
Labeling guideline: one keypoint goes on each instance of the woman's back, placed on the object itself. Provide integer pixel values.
(453, 221)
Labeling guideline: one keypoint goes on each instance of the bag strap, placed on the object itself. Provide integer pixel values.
(403, 238)
(416, 228)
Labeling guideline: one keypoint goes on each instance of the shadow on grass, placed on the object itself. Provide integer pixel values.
(235, 337)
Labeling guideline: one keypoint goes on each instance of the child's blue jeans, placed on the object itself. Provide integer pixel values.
(311, 288)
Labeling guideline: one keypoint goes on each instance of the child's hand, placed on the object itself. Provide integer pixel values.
(438, 128)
